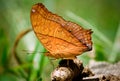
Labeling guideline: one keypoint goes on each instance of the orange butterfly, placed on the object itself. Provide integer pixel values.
(62, 39)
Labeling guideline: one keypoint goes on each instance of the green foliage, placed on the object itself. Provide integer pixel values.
(102, 16)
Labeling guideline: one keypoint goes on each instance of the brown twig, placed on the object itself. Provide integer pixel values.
(70, 70)
(14, 52)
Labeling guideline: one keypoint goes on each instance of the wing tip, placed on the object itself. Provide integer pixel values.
(37, 6)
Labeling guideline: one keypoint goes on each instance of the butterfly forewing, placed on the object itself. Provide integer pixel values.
(54, 33)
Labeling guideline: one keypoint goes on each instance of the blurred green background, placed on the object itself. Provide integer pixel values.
(102, 16)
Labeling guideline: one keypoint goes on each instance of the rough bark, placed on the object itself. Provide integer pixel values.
(73, 70)
(70, 70)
